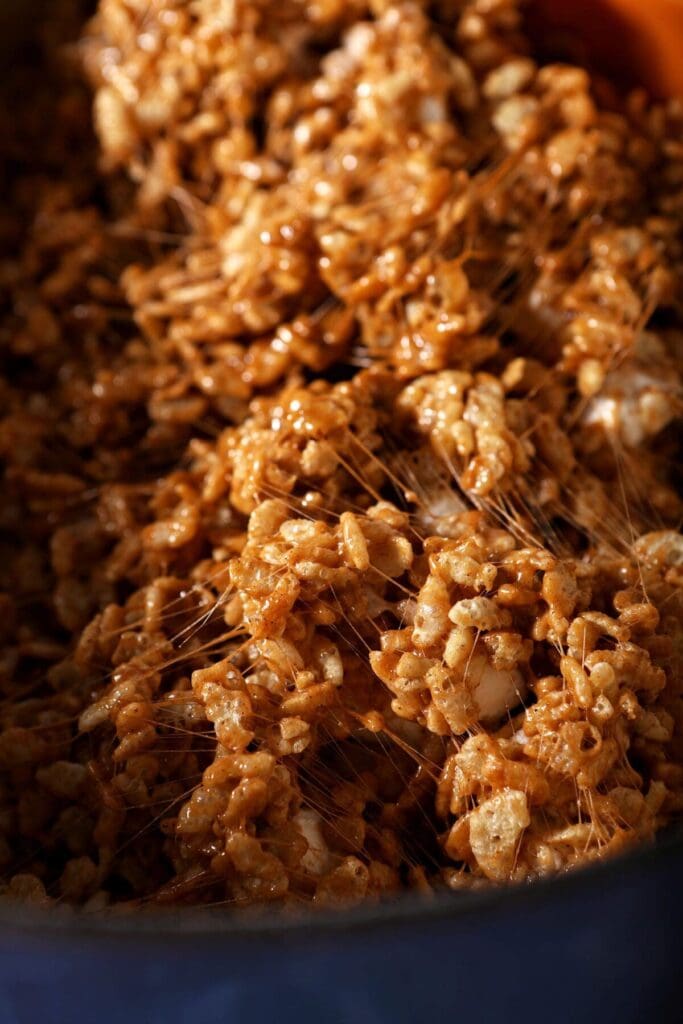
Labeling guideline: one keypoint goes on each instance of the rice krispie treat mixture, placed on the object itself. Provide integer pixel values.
(339, 541)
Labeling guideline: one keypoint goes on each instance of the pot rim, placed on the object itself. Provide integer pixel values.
(182, 926)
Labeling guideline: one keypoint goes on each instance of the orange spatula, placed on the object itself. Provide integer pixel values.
(637, 41)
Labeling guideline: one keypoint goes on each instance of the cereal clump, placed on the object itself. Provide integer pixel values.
(338, 409)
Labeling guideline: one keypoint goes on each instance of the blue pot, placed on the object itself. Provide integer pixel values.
(603, 945)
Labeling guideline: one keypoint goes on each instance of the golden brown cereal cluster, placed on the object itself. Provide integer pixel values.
(339, 547)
